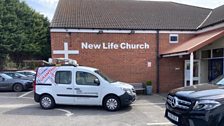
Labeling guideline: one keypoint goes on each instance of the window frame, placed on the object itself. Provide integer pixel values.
(213, 53)
(59, 77)
(209, 52)
(174, 35)
(1, 78)
(86, 84)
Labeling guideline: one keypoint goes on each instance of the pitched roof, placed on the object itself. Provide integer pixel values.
(127, 14)
(217, 16)
(195, 43)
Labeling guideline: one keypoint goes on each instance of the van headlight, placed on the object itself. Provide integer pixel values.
(206, 105)
(129, 91)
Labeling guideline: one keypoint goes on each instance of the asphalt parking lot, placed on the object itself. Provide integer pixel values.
(20, 109)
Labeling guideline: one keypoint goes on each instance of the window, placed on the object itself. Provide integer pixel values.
(63, 77)
(217, 53)
(11, 75)
(214, 53)
(174, 38)
(206, 54)
(84, 78)
(104, 76)
(1, 78)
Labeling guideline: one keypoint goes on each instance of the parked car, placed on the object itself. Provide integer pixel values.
(198, 105)
(79, 85)
(16, 75)
(17, 85)
(27, 72)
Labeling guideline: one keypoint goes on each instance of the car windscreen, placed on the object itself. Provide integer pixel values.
(218, 81)
(20, 75)
(221, 81)
(104, 76)
(27, 73)
(6, 76)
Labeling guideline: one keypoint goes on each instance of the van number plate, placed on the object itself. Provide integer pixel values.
(173, 117)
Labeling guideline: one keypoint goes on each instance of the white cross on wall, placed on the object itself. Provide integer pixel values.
(66, 52)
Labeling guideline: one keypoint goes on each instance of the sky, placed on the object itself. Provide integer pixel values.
(47, 7)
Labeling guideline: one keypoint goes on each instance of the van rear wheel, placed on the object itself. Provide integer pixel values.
(112, 103)
(47, 102)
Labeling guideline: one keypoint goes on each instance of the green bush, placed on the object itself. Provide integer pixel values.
(149, 83)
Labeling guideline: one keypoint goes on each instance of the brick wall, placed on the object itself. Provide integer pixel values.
(126, 65)
(172, 69)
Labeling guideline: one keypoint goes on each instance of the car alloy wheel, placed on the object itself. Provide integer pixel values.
(47, 102)
(17, 88)
(112, 103)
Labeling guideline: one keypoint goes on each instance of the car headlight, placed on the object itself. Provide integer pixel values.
(206, 105)
(129, 91)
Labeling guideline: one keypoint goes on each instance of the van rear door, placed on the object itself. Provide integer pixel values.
(64, 87)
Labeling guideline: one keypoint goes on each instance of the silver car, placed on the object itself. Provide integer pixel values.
(16, 75)
(27, 72)
(17, 85)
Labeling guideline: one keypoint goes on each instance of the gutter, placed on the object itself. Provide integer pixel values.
(157, 62)
(141, 29)
(175, 54)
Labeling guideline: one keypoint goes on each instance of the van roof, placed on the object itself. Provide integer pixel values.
(89, 68)
(80, 67)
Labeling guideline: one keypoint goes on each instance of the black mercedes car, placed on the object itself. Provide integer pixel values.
(198, 105)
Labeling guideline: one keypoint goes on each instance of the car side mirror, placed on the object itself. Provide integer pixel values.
(96, 81)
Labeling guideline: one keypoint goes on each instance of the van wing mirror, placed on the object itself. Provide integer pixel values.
(96, 81)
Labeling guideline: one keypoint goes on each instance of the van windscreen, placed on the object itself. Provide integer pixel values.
(104, 76)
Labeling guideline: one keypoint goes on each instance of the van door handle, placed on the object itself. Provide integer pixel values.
(77, 88)
(69, 88)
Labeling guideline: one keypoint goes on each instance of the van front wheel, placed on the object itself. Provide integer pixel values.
(47, 102)
(111, 103)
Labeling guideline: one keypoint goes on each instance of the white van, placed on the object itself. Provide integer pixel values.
(79, 85)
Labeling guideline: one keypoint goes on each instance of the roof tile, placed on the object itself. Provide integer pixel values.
(127, 14)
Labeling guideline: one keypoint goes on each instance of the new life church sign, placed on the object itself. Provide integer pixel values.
(110, 45)
(168, 46)
(113, 45)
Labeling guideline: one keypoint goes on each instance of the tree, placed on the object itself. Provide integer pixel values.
(24, 33)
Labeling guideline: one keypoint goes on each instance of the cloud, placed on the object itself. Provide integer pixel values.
(200, 3)
(45, 7)
(51, 3)
(48, 7)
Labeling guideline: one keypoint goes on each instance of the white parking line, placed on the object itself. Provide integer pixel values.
(144, 104)
(67, 113)
(28, 98)
(15, 105)
(7, 97)
(160, 124)
(163, 97)
(25, 94)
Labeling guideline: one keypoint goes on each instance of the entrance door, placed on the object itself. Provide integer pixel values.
(215, 69)
(196, 75)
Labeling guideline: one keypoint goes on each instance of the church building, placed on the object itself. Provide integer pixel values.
(171, 44)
